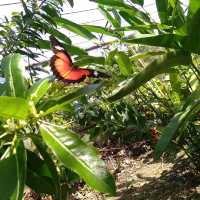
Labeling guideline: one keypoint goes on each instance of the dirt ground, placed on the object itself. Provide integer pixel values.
(139, 177)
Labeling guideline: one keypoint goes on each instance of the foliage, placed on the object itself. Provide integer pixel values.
(24, 121)
(153, 93)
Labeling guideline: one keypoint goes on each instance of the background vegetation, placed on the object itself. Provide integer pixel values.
(47, 128)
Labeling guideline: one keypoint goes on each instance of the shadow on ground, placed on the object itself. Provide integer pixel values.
(176, 184)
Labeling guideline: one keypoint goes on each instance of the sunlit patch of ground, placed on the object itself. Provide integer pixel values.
(139, 177)
(143, 179)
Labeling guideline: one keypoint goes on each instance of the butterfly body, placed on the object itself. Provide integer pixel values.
(62, 66)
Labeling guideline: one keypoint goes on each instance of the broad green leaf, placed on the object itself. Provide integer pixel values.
(13, 107)
(36, 164)
(21, 160)
(45, 44)
(146, 55)
(58, 103)
(116, 17)
(73, 27)
(6, 153)
(60, 36)
(38, 90)
(42, 44)
(192, 98)
(193, 27)
(110, 58)
(177, 122)
(53, 31)
(14, 71)
(74, 50)
(166, 40)
(121, 6)
(170, 12)
(27, 11)
(124, 63)
(102, 30)
(45, 19)
(145, 28)
(8, 180)
(135, 23)
(158, 66)
(88, 60)
(50, 10)
(176, 81)
(79, 157)
(194, 6)
(162, 8)
(50, 164)
(140, 2)
(177, 18)
(2, 89)
(40, 184)
(109, 17)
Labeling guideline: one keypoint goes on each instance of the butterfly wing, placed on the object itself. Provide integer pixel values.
(62, 66)
(61, 62)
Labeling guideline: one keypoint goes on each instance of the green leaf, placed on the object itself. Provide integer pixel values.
(110, 18)
(194, 6)
(175, 82)
(178, 18)
(15, 107)
(124, 63)
(158, 66)
(50, 164)
(194, 24)
(52, 31)
(40, 184)
(71, 3)
(50, 10)
(116, 16)
(136, 23)
(42, 44)
(177, 122)
(193, 97)
(146, 28)
(46, 19)
(166, 40)
(58, 103)
(73, 27)
(36, 164)
(14, 72)
(162, 8)
(45, 44)
(88, 60)
(79, 157)
(2, 89)
(139, 2)
(146, 55)
(21, 160)
(102, 30)
(110, 57)
(38, 90)
(131, 10)
(8, 180)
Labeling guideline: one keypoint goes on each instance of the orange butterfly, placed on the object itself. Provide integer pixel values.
(63, 68)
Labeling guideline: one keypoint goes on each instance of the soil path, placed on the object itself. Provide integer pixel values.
(138, 177)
